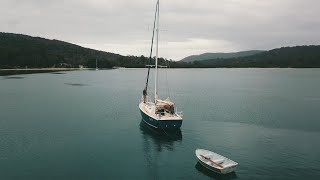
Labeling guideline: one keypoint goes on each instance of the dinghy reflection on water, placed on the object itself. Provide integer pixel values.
(207, 172)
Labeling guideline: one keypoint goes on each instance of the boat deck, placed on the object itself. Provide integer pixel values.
(150, 108)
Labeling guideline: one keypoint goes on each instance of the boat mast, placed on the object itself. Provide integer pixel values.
(156, 63)
(145, 91)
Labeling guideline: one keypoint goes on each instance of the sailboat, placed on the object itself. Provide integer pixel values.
(155, 112)
(97, 65)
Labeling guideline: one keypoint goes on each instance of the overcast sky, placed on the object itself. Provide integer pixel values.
(186, 26)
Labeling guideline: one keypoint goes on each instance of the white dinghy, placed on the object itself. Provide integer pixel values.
(215, 162)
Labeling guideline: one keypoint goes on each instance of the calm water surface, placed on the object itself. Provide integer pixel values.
(86, 124)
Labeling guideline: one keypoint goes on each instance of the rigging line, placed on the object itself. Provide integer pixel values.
(157, 54)
(168, 68)
(150, 57)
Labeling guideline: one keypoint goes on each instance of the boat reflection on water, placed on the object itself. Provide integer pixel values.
(215, 175)
(162, 139)
(156, 142)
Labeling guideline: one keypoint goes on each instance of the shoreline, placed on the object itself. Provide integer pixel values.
(9, 72)
(45, 69)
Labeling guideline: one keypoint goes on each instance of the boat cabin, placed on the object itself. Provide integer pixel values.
(165, 106)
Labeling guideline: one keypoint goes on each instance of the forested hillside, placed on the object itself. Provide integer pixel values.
(20, 51)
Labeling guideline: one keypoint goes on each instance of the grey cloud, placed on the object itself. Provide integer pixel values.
(124, 26)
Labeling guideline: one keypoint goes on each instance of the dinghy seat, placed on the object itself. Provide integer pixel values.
(218, 161)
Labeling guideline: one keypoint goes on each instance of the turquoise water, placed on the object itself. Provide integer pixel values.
(86, 124)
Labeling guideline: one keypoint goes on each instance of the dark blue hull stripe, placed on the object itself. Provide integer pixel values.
(160, 123)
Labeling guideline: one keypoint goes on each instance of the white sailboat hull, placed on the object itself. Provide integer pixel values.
(147, 111)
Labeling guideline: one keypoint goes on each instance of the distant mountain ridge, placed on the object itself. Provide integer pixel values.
(207, 56)
(284, 57)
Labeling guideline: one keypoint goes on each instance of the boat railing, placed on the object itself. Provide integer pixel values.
(148, 99)
(180, 113)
